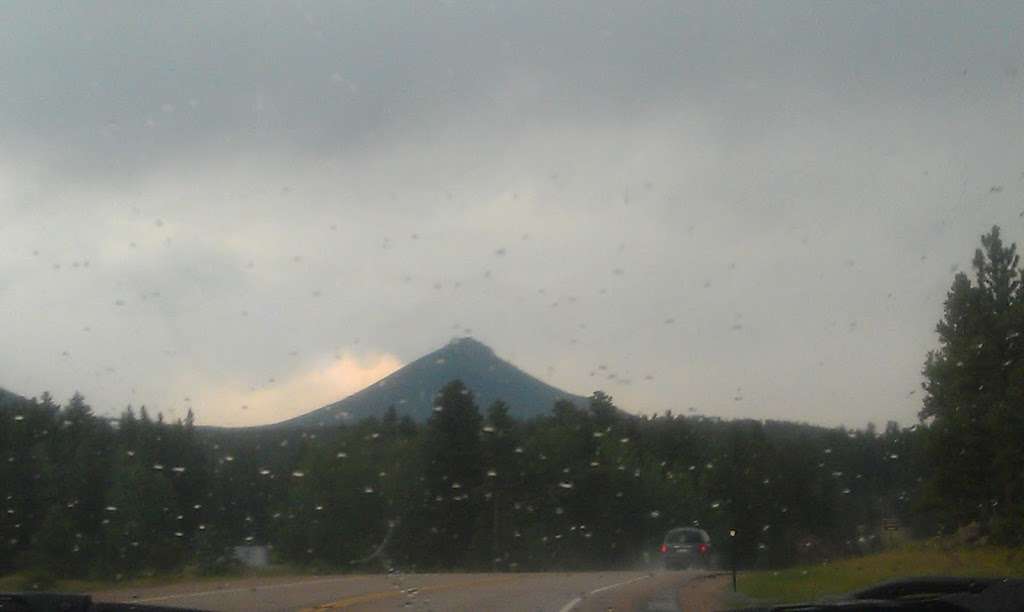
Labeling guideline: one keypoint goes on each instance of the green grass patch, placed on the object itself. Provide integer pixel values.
(810, 582)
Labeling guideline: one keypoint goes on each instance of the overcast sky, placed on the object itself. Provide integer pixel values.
(740, 209)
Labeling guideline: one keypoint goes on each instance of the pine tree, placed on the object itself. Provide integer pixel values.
(973, 385)
(454, 472)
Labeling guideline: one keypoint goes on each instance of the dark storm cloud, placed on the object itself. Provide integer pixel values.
(111, 87)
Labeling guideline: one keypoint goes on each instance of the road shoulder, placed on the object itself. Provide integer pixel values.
(704, 593)
(634, 595)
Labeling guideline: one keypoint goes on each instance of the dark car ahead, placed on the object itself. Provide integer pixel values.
(686, 547)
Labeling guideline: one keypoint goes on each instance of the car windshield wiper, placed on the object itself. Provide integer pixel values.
(931, 593)
(66, 602)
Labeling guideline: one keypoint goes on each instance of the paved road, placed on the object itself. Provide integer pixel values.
(555, 592)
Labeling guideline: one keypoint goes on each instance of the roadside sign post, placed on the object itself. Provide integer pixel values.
(732, 542)
(889, 525)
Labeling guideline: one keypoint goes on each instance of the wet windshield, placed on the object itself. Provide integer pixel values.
(427, 301)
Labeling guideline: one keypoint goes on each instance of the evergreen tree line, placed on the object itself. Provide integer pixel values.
(585, 487)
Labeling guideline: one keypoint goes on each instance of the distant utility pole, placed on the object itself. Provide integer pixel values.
(494, 537)
(732, 540)
(732, 503)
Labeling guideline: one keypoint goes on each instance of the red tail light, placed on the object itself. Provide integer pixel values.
(664, 548)
(703, 548)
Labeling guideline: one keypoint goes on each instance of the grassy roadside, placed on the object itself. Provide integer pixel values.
(806, 583)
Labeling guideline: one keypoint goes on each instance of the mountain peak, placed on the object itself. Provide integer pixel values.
(469, 345)
(411, 389)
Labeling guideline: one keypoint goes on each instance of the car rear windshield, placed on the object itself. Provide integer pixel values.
(684, 537)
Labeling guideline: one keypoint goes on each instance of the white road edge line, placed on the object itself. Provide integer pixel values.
(239, 590)
(576, 600)
(571, 604)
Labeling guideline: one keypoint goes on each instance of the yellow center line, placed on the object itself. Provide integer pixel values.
(379, 595)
